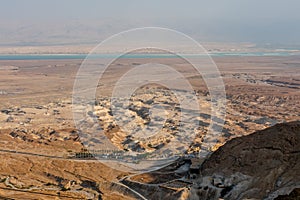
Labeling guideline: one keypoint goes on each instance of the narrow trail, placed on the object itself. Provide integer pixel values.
(118, 182)
(31, 154)
(39, 193)
(144, 184)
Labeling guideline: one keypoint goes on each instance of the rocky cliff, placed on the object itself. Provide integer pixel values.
(262, 165)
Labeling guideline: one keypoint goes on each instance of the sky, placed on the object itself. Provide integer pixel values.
(258, 21)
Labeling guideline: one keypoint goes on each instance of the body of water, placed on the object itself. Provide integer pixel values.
(146, 55)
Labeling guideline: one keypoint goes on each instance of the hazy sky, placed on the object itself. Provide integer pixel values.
(261, 21)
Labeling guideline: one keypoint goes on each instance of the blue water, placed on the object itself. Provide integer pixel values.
(83, 56)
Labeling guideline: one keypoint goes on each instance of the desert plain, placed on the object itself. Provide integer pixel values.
(38, 134)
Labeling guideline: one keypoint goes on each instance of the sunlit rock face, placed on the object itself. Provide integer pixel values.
(262, 165)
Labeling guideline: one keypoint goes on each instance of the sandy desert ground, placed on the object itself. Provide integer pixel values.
(38, 132)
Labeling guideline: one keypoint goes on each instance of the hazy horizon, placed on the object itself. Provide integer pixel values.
(81, 22)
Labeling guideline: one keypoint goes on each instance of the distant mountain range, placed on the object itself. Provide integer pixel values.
(64, 33)
(75, 32)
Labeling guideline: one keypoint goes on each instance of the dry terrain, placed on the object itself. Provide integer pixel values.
(38, 134)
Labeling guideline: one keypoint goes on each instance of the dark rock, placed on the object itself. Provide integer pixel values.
(6, 111)
(13, 134)
(10, 119)
(294, 195)
(262, 165)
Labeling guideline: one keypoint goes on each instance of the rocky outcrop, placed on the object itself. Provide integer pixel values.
(294, 195)
(263, 165)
